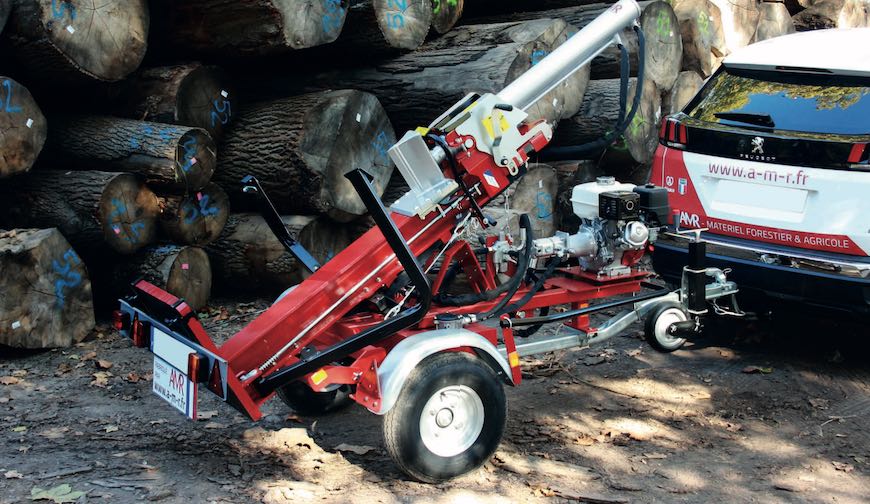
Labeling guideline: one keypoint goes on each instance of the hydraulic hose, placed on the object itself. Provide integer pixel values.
(522, 267)
(622, 123)
(513, 283)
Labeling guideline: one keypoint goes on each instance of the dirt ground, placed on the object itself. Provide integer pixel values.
(739, 416)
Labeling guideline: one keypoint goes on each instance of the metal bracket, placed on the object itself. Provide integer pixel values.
(251, 186)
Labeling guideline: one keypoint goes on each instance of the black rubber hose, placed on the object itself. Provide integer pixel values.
(581, 151)
(551, 268)
(515, 280)
(522, 267)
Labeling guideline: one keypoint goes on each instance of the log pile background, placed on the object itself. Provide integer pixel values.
(125, 128)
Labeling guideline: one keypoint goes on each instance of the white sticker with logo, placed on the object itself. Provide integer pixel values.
(490, 179)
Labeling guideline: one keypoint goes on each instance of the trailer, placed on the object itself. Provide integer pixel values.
(380, 324)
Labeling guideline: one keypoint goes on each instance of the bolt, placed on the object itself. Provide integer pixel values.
(432, 412)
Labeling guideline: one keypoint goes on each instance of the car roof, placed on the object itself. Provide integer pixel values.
(838, 51)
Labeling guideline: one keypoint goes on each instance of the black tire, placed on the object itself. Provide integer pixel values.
(440, 379)
(656, 324)
(306, 402)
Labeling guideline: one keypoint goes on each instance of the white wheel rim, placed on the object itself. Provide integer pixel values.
(668, 317)
(452, 420)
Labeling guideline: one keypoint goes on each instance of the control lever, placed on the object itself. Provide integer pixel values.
(251, 186)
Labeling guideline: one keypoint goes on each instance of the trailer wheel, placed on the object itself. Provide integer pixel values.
(306, 402)
(448, 419)
(656, 328)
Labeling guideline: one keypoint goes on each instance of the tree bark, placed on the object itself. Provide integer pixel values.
(300, 148)
(46, 299)
(640, 140)
(599, 113)
(380, 27)
(832, 14)
(69, 39)
(687, 86)
(488, 8)
(446, 14)
(739, 22)
(184, 272)
(22, 128)
(247, 255)
(417, 87)
(197, 218)
(5, 8)
(252, 27)
(702, 35)
(92, 209)
(189, 95)
(170, 157)
(774, 21)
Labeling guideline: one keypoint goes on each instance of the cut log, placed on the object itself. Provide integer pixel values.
(702, 35)
(46, 299)
(197, 218)
(189, 95)
(774, 21)
(739, 21)
(252, 27)
(417, 87)
(687, 86)
(184, 272)
(446, 14)
(172, 157)
(22, 128)
(68, 39)
(487, 8)
(535, 195)
(599, 113)
(639, 142)
(664, 44)
(247, 255)
(385, 26)
(301, 147)
(5, 8)
(832, 14)
(93, 210)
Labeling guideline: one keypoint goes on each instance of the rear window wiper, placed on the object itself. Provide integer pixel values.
(748, 118)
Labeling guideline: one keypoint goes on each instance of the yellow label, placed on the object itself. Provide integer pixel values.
(514, 359)
(422, 131)
(318, 377)
(503, 125)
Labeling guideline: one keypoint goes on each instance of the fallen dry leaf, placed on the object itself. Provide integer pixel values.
(818, 402)
(19, 373)
(206, 415)
(111, 428)
(215, 425)
(757, 370)
(59, 494)
(20, 428)
(89, 356)
(358, 449)
(842, 466)
(9, 380)
(4, 400)
(13, 475)
(54, 432)
(101, 379)
(104, 364)
(64, 368)
(132, 378)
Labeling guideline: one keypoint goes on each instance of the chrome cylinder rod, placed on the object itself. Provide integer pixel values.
(570, 56)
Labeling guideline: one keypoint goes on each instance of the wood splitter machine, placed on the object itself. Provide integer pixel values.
(377, 324)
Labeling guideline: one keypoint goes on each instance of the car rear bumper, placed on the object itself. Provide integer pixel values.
(821, 282)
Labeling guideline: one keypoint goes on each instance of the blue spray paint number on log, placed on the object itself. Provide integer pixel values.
(334, 17)
(543, 205)
(381, 144)
(537, 56)
(59, 8)
(194, 210)
(115, 218)
(189, 154)
(8, 107)
(68, 277)
(396, 20)
(221, 112)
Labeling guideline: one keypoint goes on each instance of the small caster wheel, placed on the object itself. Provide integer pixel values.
(306, 402)
(656, 328)
(448, 419)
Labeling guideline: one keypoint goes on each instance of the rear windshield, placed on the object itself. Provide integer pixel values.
(793, 102)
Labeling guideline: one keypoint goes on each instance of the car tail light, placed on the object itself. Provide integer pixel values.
(859, 157)
(120, 320)
(139, 333)
(673, 133)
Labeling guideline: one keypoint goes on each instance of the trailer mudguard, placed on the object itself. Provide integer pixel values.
(410, 352)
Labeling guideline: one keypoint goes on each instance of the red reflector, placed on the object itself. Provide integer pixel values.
(119, 320)
(857, 153)
(193, 361)
(663, 130)
(683, 135)
(139, 335)
(672, 133)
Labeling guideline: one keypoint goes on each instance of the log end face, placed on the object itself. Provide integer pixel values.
(128, 212)
(48, 301)
(206, 99)
(23, 126)
(664, 44)
(309, 24)
(195, 159)
(404, 23)
(106, 41)
(190, 277)
(446, 13)
(199, 217)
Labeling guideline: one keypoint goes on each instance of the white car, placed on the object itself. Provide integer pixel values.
(771, 157)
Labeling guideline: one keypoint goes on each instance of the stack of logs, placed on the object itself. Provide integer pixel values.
(137, 176)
